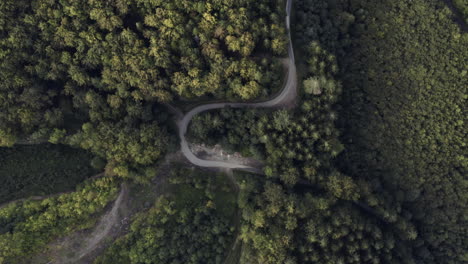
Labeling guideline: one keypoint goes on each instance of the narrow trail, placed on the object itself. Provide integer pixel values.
(287, 95)
(82, 247)
(104, 226)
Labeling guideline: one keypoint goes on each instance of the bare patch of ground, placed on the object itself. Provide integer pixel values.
(77, 246)
(232, 256)
(216, 153)
(105, 225)
(82, 247)
(285, 98)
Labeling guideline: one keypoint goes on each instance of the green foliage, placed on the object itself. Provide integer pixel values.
(391, 74)
(407, 114)
(404, 76)
(269, 218)
(41, 170)
(123, 143)
(402, 109)
(342, 234)
(192, 224)
(26, 227)
(299, 144)
(108, 68)
(6, 139)
(303, 225)
(462, 6)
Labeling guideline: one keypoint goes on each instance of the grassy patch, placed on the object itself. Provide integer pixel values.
(205, 184)
(41, 170)
(185, 196)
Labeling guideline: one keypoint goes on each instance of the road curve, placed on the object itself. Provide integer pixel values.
(287, 95)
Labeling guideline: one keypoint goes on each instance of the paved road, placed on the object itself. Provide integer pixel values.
(287, 95)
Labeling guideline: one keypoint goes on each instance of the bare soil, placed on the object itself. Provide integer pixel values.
(216, 153)
(77, 246)
(82, 247)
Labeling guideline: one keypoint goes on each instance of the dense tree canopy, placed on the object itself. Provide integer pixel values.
(295, 144)
(404, 75)
(109, 65)
(370, 167)
(462, 7)
(308, 225)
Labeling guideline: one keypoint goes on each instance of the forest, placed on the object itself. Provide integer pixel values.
(393, 144)
(409, 120)
(73, 72)
(368, 166)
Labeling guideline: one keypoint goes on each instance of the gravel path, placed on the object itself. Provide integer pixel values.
(286, 97)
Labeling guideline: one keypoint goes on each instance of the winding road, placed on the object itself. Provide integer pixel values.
(287, 95)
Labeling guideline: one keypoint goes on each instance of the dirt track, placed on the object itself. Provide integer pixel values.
(75, 247)
(287, 96)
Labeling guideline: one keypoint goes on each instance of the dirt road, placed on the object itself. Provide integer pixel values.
(286, 96)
